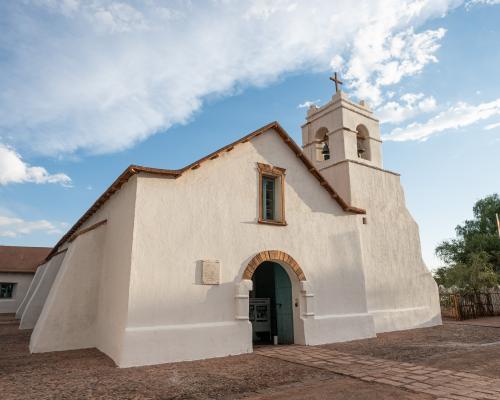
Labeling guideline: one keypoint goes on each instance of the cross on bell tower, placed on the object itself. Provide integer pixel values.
(337, 81)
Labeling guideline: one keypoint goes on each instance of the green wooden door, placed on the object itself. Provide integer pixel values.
(284, 310)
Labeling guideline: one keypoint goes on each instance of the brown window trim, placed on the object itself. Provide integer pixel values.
(277, 172)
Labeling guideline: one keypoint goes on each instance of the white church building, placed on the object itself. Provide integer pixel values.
(261, 241)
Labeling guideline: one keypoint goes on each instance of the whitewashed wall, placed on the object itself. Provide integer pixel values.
(33, 285)
(211, 213)
(87, 305)
(22, 281)
(401, 291)
(69, 316)
(36, 302)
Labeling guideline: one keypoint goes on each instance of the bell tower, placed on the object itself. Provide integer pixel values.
(342, 140)
(339, 134)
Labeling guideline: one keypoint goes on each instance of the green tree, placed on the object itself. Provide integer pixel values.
(440, 275)
(473, 276)
(473, 257)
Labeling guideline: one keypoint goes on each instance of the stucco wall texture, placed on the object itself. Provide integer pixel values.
(88, 301)
(29, 292)
(132, 287)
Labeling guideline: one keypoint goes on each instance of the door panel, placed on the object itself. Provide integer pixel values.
(284, 310)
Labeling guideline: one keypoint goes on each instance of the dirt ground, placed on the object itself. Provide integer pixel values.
(89, 374)
(455, 346)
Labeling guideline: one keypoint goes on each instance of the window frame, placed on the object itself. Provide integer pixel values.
(12, 290)
(278, 174)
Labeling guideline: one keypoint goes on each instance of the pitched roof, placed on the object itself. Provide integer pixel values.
(22, 259)
(135, 169)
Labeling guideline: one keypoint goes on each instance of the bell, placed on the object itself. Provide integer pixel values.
(325, 152)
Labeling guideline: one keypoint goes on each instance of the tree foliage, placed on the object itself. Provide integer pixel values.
(471, 277)
(473, 258)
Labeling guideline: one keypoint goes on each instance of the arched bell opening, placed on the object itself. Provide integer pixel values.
(322, 145)
(363, 143)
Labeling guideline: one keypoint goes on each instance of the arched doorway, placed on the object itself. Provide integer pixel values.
(271, 305)
(302, 294)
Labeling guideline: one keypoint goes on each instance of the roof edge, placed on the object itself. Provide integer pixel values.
(135, 169)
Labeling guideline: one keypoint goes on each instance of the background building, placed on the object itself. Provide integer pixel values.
(17, 268)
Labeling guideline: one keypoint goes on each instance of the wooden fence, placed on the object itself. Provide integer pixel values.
(461, 306)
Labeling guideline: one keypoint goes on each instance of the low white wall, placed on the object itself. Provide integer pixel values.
(171, 343)
(31, 289)
(425, 312)
(338, 328)
(35, 304)
(22, 281)
(68, 319)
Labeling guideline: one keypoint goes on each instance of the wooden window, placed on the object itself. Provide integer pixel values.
(271, 195)
(6, 290)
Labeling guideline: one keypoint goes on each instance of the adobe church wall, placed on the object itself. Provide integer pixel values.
(401, 292)
(37, 300)
(22, 283)
(33, 284)
(88, 302)
(115, 275)
(211, 213)
(68, 318)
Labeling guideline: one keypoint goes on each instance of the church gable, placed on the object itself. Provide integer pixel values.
(295, 149)
(175, 174)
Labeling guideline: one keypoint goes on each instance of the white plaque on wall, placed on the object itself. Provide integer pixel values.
(210, 272)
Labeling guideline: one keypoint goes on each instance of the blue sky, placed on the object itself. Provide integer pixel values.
(88, 88)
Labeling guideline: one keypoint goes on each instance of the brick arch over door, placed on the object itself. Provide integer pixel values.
(273, 255)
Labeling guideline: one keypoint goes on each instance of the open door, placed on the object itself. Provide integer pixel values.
(271, 311)
(284, 309)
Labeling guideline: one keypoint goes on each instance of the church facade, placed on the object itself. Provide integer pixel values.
(261, 241)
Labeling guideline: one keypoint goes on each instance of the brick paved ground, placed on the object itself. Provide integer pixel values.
(442, 383)
(462, 348)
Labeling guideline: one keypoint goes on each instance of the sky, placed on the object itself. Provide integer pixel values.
(90, 87)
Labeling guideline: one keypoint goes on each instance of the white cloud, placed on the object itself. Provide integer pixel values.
(308, 103)
(103, 75)
(411, 105)
(14, 170)
(492, 126)
(381, 58)
(471, 3)
(14, 227)
(337, 62)
(458, 116)
(117, 17)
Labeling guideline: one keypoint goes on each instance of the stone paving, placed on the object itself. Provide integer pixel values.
(442, 383)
